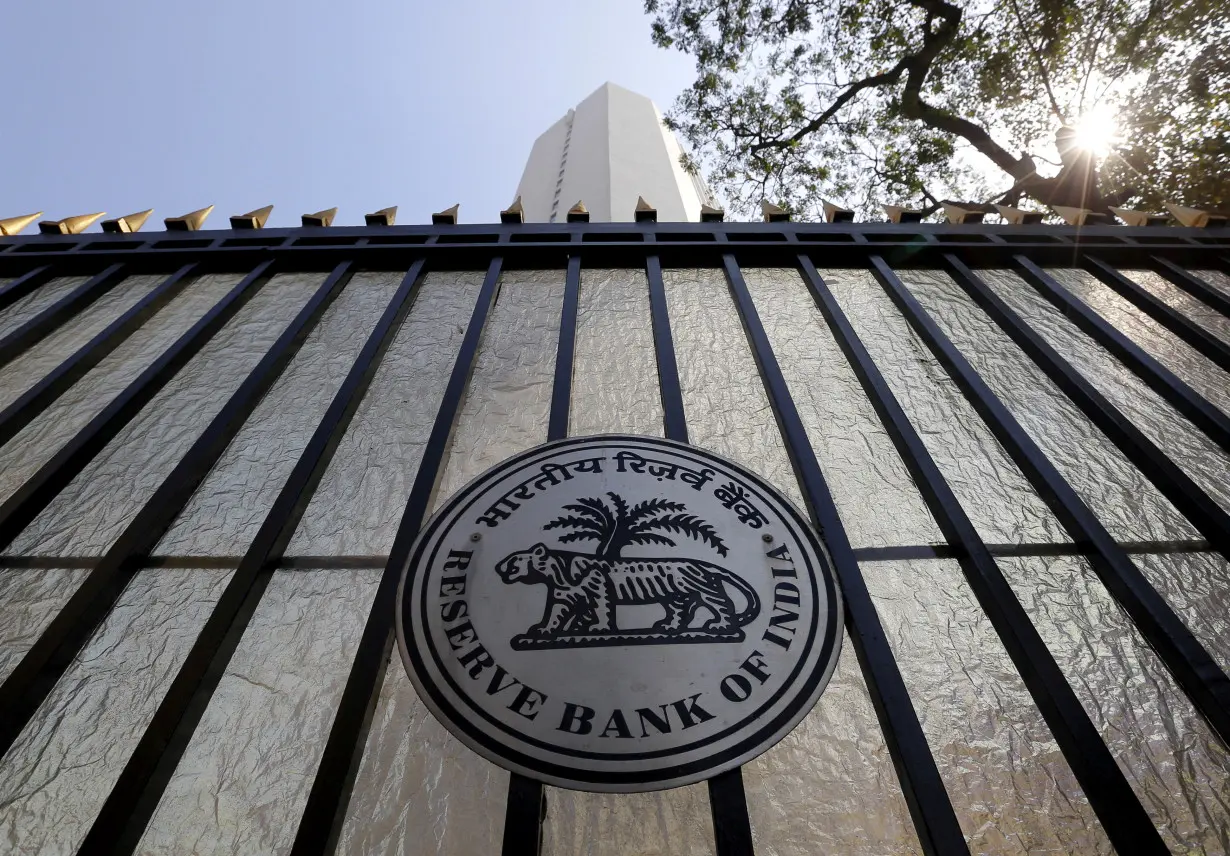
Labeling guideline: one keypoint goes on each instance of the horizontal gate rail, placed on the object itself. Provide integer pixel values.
(67, 634)
(1193, 285)
(934, 818)
(1020, 551)
(39, 397)
(45, 322)
(135, 795)
(1127, 824)
(23, 285)
(1209, 518)
(1172, 319)
(1196, 672)
(546, 245)
(33, 496)
(376, 562)
(325, 811)
(1208, 418)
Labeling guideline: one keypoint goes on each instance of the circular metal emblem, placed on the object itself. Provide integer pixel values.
(619, 613)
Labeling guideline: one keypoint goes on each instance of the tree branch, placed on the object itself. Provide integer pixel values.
(918, 66)
(890, 76)
(1033, 50)
(1091, 54)
(915, 67)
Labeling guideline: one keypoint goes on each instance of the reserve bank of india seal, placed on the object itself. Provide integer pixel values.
(619, 613)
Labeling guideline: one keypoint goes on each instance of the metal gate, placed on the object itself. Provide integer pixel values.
(1014, 440)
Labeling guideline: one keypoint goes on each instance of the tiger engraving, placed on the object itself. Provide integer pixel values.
(583, 591)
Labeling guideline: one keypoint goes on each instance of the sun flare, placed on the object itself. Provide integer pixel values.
(1097, 131)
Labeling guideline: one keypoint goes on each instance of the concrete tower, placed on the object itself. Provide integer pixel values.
(606, 152)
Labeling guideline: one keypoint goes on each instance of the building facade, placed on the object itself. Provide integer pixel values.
(606, 152)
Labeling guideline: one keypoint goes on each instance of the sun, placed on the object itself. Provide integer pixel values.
(1097, 131)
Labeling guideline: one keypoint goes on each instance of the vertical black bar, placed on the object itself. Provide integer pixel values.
(33, 496)
(523, 817)
(135, 795)
(1196, 672)
(1157, 309)
(561, 390)
(1193, 285)
(23, 285)
(326, 805)
(53, 316)
(934, 818)
(1125, 820)
(732, 828)
(1161, 380)
(526, 806)
(1204, 513)
(37, 398)
(35, 676)
(664, 350)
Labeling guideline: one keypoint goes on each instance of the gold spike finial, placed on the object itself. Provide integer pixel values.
(127, 223)
(514, 213)
(710, 214)
(578, 213)
(774, 213)
(1198, 218)
(383, 217)
(644, 212)
(1082, 216)
(1019, 216)
(899, 214)
(13, 225)
(834, 213)
(447, 217)
(190, 222)
(320, 218)
(69, 225)
(253, 219)
(1140, 218)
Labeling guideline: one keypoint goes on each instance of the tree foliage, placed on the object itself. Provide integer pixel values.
(914, 101)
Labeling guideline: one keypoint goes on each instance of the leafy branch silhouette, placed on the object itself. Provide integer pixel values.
(616, 526)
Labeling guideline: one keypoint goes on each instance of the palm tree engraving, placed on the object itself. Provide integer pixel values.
(616, 526)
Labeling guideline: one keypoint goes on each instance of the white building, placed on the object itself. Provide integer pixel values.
(607, 151)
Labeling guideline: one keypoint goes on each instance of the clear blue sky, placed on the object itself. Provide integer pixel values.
(306, 104)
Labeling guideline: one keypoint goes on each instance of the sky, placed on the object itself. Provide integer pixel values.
(125, 105)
